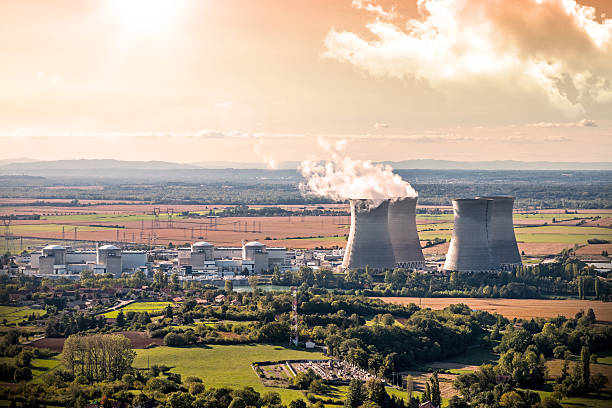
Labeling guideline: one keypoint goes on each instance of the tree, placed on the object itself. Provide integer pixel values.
(229, 286)
(436, 397)
(376, 391)
(356, 394)
(24, 358)
(180, 400)
(512, 399)
(585, 366)
(253, 282)
(98, 357)
(298, 403)
(120, 321)
(598, 382)
(168, 312)
(409, 386)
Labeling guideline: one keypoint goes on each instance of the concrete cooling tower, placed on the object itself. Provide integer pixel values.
(369, 243)
(469, 248)
(501, 232)
(403, 233)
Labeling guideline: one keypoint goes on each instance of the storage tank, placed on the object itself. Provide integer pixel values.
(369, 243)
(403, 233)
(501, 231)
(469, 248)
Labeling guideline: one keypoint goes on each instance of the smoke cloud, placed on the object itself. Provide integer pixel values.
(344, 178)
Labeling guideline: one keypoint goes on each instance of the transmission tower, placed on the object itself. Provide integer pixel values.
(7, 231)
(293, 339)
(170, 213)
(156, 212)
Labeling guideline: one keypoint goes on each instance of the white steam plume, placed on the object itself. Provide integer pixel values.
(344, 178)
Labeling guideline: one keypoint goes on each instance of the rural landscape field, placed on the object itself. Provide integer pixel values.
(538, 232)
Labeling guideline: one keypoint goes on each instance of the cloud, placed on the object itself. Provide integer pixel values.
(381, 125)
(368, 5)
(225, 104)
(553, 48)
(581, 123)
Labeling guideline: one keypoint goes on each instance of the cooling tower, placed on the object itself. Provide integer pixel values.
(469, 248)
(369, 243)
(403, 233)
(501, 232)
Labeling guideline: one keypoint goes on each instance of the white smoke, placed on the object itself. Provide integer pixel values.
(344, 178)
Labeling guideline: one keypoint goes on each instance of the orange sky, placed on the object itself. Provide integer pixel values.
(245, 80)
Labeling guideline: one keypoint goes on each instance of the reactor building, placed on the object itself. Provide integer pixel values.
(483, 235)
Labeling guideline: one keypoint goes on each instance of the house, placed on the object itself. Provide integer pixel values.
(220, 298)
(310, 345)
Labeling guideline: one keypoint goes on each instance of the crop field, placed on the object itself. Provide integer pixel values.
(212, 365)
(139, 307)
(14, 314)
(520, 308)
(538, 233)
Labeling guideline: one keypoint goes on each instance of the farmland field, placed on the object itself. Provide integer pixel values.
(211, 363)
(139, 307)
(538, 233)
(520, 308)
(14, 314)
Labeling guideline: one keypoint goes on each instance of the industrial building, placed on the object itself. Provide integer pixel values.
(369, 243)
(501, 232)
(483, 235)
(57, 260)
(204, 259)
(403, 233)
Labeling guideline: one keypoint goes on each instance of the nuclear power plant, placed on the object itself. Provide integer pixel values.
(383, 236)
(403, 233)
(483, 235)
(369, 243)
(501, 232)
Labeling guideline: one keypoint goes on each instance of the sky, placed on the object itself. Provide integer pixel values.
(244, 80)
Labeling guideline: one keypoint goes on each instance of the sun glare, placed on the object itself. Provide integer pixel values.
(145, 17)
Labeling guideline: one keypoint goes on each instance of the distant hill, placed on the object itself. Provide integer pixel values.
(497, 165)
(16, 160)
(26, 166)
(94, 164)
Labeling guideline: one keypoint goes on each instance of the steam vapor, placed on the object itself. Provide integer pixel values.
(344, 178)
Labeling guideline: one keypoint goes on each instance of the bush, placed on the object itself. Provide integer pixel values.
(22, 374)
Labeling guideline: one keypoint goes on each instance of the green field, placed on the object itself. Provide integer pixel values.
(221, 365)
(139, 307)
(544, 234)
(39, 365)
(14, 314)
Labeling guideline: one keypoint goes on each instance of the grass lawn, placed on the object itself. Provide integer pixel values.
(139, 307)
(223, 365)
(14, 314)
(600, 401)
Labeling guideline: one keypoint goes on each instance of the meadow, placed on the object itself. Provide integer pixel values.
(17, 314)
(139, 307)
(224, 365)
